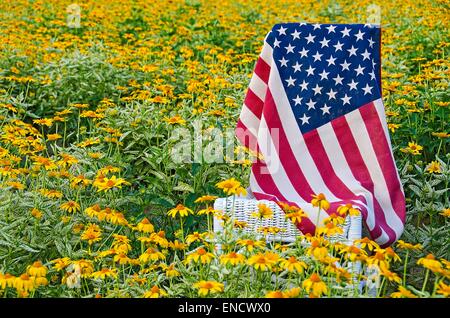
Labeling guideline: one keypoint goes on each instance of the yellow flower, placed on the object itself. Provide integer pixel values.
(15, 185)
(37, 270)
(105, 273)
(6, 280)
(52, 137)
(200, 255)
(403, 293)
(24, 283)
(177, 245)
(232, 258)
(92, 234)
(180, 210)
(155, 292)
(175, 120)
(151, 254)
(430, 263)
(231, 186)
(408, 246)
(207, 211)
(61, 263)
(412, 148)
(80, 180)
(260, 262)
(208, 287)
(443, 289)
(264, 212)
(297, 216)
(315, 286)
(391, 276)
(70, 206)
(145, 226)
(343, 210)
(240, 224)
(171, 271)
(446, 213)
(36, 213)
(250, 244)
(275, 294)
(292, 264)
(121, 244)
(293, 292)
(123, 259)
(195, 237)
(205, 198)
(105, 184)
(43, 122)
(320, 201)
(434, 167)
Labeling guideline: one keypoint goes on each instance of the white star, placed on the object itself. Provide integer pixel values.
(311, 104)
(297, 100)
(338, 46)
(338, 80)
(276, 43)
(295, 35)
(345, 32)
(290, 81)
(345, 65)
(310, 70)
(367, 89)
(317, 56)
(359, 35)
(283, 61)
(331, 94)
(316, 26)
(366, 55)
(304, 53)
(296, 67)
(352, 51)
(324, 75)
(310, 38)
(331, 60)
(372, 75)
(289, 48)
(346, 99)
(317, 90)
(324, 42)
(352, 84)
(282, 30)
(325, 109)
(331, 29)
(305, 119)
(373, 63)
(304, 85)
(371, 43)
(359, 70)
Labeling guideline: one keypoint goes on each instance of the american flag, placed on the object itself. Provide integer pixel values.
(314, 112)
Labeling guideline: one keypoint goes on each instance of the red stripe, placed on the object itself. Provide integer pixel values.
(254, 103)
(262, 69)
(360, 172)
(384, 158)
(246, 137)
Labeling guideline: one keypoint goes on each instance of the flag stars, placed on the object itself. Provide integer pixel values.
(325, 109)
(316, 26)
(359, 70)
(331, 60)
(317, 56)
(352, 51)
(338, 80)
(289, 49)
(331, 29)
(310, 71)
(295, 34)
(346, 99)
(353, 84)
(283, 62)
(304, 53)
(372, 75)
(310, 38)
(290, 81)
(367, 89)
(317, 90)
(338, 46)
(345, 65)
(304, 85)
(297, 100)
(296, 67)
(324, 42)
(331, 94)
(345, 32)
(324, 75)
(365, 55)
(371, 42)
(282, 30)
(276, 43)
(305, 119)
(311, 104)
(359, 35)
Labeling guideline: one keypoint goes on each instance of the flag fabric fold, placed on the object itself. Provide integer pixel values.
(314, 112)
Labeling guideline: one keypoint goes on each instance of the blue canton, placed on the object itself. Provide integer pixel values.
(327, 70)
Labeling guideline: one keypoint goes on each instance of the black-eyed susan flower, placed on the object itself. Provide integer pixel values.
(195, 237)
(260, 262)
(231, 186)
(121, 244)
(70, 206)
(6, 280)
(155, 292)
(315, 286)
(105, 273)
(37, 269)
(434, 167)
(403, 293)
(320, 201)
(92, 234)
(151, 255)
(206, 198)
(199, 256)
(24, 283)
(145, 226)
(430, 262)
(292, 264)
(348, 208)
(105, 184)
(232, 258)
(263, 212)
(275, 294)
(208, 287)
(446, 213)
(36, 213)
(208, 211)
(443, 289)
(250, 244)
(408, 246)
(179, 210)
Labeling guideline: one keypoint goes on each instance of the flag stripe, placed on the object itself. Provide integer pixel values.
(262, 69)
(258, 87)
(253, 103)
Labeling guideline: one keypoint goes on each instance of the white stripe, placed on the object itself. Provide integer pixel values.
(381, 191)
(279, 176)
(249, 120)
(266, 53)
(295, 137)
(258, 86)
(337, 159)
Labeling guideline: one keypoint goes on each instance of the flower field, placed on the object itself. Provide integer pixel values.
(92, 202)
